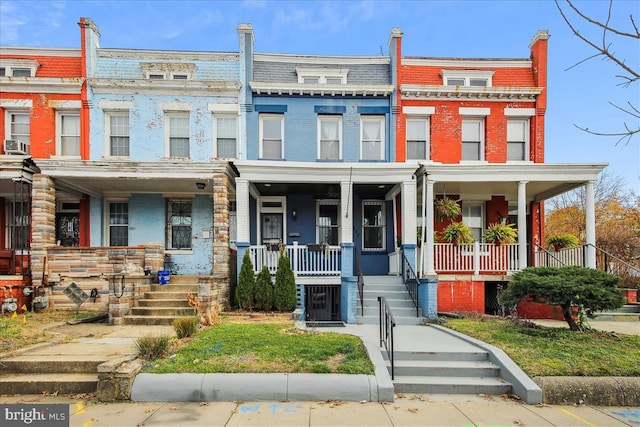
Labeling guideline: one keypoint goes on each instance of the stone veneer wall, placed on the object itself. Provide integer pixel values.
(43, 223)
(221, 252)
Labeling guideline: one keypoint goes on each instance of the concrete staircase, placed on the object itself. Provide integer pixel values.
(629, 312)
(458, 372)
(393, 289)
(164, 303)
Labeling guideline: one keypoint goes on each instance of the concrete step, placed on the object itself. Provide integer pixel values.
(175, 287)
(445, 368)
(397, 312)
(163, 311)
(449, 356)
(383, 287)
(48, 364)
(166, 295)
(616, 317)
(65, 383)
(150, 320)
(400, 320)
(450, 385)
(382, 280)
(157, 302)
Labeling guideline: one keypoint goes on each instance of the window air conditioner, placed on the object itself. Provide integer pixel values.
(15, 146)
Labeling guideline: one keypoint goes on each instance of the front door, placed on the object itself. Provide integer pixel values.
(271, 228)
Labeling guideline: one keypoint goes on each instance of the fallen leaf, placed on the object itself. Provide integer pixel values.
(413, 410)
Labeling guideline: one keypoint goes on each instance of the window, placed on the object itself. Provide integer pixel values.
(418, 138)
(69, 134)
(472, 215)
(271, 136)
(19, 126)
(372, 138)
(473, 78)
(155, 76)
(118, 128)
(373, 226)
(179, 224)
(328, 226)
(225, 136)
(178, 135)
(180, 76)
(18, 222)
(21, 72)
(472, 138)
(329, 137)
(12, 67)
(517, 139)
(311, 80)
(329, 76)
(118, 224)
(3, 71)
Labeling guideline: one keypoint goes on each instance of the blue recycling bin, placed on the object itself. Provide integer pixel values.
(163, 277)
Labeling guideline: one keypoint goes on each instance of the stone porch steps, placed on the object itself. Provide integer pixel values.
(162, 304)
(48, 383)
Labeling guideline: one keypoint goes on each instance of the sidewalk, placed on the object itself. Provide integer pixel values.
(409, 410)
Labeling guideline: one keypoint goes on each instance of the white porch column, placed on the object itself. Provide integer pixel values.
(522, 224)
(427, 231)
(409, 212)
(590, 222)
(242, 210)
(346, 214)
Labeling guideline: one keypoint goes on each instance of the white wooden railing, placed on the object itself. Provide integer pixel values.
(475, 258)
(306, 260)
(560, 258)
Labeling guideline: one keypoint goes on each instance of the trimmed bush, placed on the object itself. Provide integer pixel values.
(284, 298)
(246, 284)
(153, 347)
(264, 290)
(185, 326)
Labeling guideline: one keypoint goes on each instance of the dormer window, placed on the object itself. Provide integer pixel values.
(328, 76)
(474, 78)
(167, 70)
(180, 76)
(18, 67)
(155, 76)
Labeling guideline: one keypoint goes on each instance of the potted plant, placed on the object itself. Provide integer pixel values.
(457, 233)
(564, 240)
(499, 233)
(446, 208)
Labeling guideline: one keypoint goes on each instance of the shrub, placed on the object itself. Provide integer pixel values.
(153, 347)
(284, 298)
(246, 284)
(185, 326)
(264, 290)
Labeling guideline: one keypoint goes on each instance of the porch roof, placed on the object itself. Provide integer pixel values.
(544, 180)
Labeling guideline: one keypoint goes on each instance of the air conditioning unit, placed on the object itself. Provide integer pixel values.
(15, 146)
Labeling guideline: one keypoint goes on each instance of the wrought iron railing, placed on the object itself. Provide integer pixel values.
(358, 271)
(387, 324)
(410, 280)
(612, 264)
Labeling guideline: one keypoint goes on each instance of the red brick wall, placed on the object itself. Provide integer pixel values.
(461, 295)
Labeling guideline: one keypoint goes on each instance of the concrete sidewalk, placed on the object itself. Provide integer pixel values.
(405, 411)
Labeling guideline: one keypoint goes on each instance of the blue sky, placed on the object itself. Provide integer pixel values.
(472, 28)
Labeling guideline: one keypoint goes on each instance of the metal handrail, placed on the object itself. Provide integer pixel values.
(387, 323)
(615, 265)
(410, 280)
(358, 271)
(549, 254)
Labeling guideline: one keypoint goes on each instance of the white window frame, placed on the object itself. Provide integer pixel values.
(187, 76)
(155, 75)
(338, 226)
(477, 224)
(217, 116)
(8, 131)
(466, 76)
(426, 121)
(10, 65)
(107, 132)
(383, 226)
(108, 224)
(322, 74)
(333, 119)
(167, 133)
(521, 114)
(270, 116)
(525, 143)
(60, 115)
(373, 118)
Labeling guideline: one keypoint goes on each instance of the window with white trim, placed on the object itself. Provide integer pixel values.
(179, 224)
(225, 135)
(155, 76)
(18, 126)
(10, 67)
(118, 133)
(68, 134)
(328, 222)
(329, 76)
(118, 224)
(178, 134)
(372, 138)
(329, 137)
(271, 136)
(417, 138)
(517, 139)
(373, 225)
(473, 216)
(473, 78)
(472, 138)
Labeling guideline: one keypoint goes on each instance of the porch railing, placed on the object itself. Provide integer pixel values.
(476, 257)
(411, 282)
(306, 260)
(387, 323)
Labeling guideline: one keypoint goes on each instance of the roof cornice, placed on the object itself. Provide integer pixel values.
(320, 60)
(167, 55)
(150, 86)
(270, 88)
(65, 85)
(40, 51)
(456, 93)
(467, 62)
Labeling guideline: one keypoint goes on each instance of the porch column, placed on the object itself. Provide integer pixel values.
(409, 237)
(590, 222)
(522, 225)
(242, 218)
(346, 211)
(427, 231)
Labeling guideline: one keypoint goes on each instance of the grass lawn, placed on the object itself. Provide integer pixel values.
(545, 351)
(265, 347)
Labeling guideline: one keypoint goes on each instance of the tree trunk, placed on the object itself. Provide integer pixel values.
(568, 317)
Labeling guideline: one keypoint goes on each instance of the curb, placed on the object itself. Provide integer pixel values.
(600, 391)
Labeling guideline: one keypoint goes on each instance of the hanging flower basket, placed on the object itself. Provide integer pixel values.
(446, 209)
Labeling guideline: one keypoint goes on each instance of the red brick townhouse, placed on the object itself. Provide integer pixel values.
(475, 129)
